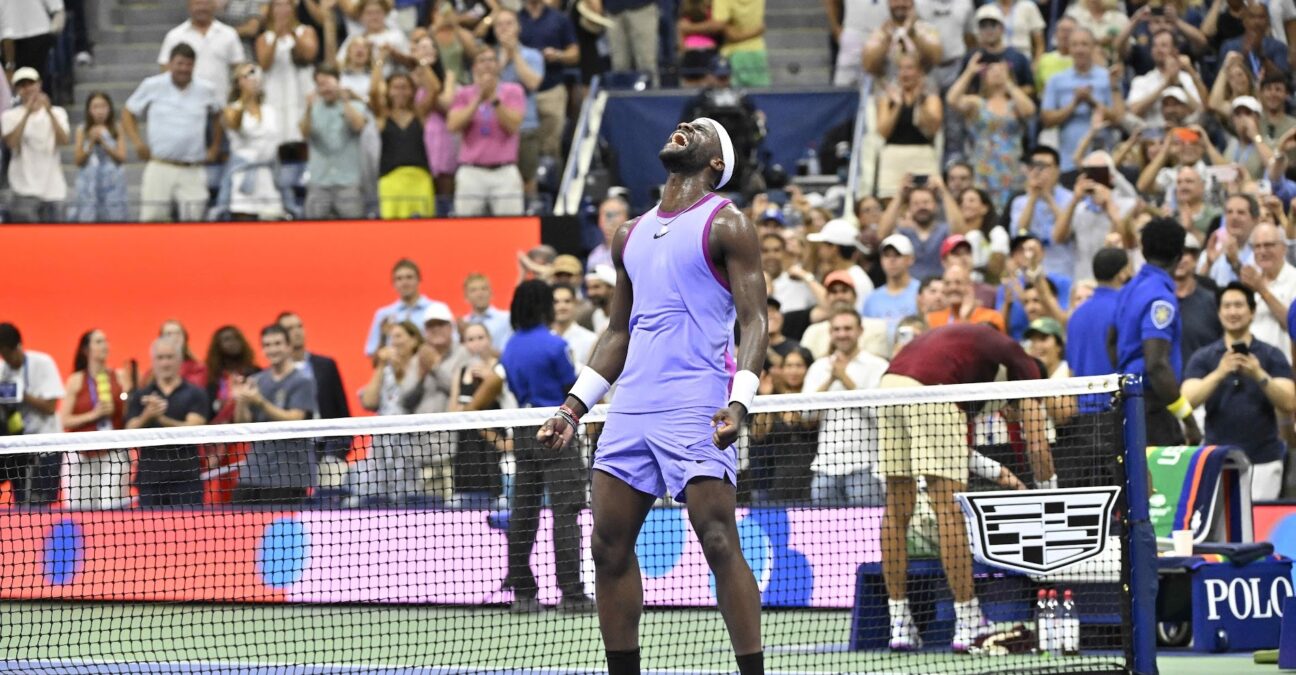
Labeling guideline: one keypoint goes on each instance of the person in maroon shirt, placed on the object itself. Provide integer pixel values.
(930, 440)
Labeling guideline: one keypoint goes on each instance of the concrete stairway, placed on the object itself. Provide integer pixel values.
(796, 35)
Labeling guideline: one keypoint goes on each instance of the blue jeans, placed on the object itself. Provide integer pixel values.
(859, 488)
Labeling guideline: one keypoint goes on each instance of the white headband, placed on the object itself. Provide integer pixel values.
(726, 149)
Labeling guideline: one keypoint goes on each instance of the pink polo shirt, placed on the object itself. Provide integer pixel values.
(484, 142)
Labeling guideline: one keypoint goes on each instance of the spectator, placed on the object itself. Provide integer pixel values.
(230, 360)
(793, 292)
(902, 34)
(410, 306)
(29, 29)
(612, 214)
(744, 40)
(909, 116)
(565, 270)
(1086, 331)
(1229, 247)
(779, 343)
(1071, 97)
(488, 115)
(1246, 385)
(851, 23)
(845, 466)
(523, 66)
(286, 51)
(96, 401)
(355, 66)
(1025, 268)
(920, 225)
(1038, 211)
(405, 188)
(1024, 26)
(992, 47)
(599, 283)
(1197, 302)
(1178, 17)
(216, 48)
(376, 29)
(988, 239)
(332, 125)
(33, 132)
(955, 24)
(551, 32)
(1262, 52)
(1101, 201)
(699, 39)
(931, 296)
(477, 292)
(899, 297)
(956, 250)
(839, 291)
(330, 395)
(439, 359)
(961, 304)
(783, 444)
(1184, 147)
(100, 151)
(390, 474)
(248, 190)
(1233, 80)
(1173, 79)
(1046, 342)
(1273, 281)
(1247, 147)
(1053, 62)
(167, 475)
(632, 37)
(996, 118)
(246, 17)
(178, 109)
(580, 340)
(280, 471)
(1103, 21)
(478, 483)
(838, 244)
(958, 177)
(437, 86)
(39, 390)
(192, 370)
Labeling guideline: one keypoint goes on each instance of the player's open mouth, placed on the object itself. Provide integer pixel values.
(678, 138)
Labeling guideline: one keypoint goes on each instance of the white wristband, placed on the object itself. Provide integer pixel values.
(1050, 484)
(590, 387)
(745, 384)
(984, 467)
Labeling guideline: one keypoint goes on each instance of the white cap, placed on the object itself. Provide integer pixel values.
(604, 273)
(900, 243)
(1176, 93)
(990, 11)
(1191, 241)
(438, 312)
(26, 73)
(837, 232)
(1248, 102)
(726, 149)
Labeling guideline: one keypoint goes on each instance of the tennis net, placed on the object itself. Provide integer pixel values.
(402, 544)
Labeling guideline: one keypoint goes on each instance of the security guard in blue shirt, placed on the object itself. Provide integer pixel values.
(1145, 340)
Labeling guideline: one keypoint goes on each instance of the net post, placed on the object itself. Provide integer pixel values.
(1142, 538)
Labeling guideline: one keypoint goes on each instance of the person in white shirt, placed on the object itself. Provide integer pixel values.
(845, 466)
(580, 340)
(1274, 281)
(33, 132)
(217, 46)
(411, 306)
(31, 27)
(1172, 71)
(793, 295)
(32, 391)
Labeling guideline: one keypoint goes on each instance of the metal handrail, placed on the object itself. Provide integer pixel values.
(566, 204)
(857, 146)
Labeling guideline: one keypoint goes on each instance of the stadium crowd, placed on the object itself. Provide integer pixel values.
(1016, 152)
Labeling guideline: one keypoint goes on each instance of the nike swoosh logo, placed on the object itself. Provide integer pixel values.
(659, 235)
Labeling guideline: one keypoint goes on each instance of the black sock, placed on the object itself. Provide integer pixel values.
(752, 664)
(623, 663)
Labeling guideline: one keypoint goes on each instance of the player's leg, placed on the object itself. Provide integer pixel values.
(956, 557)
(711, 504)
(619, 512)
(895, 447)
(524, 520)
(900, 500)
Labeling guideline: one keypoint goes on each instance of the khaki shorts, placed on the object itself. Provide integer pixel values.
(926, 439)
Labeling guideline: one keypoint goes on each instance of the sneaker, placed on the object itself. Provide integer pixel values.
(84, 59)
(967, 632)
(525, 605)
(581, 604)
(904, 637)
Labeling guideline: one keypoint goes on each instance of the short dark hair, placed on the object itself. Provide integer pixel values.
(952, 165)
(1242, 288)
(406, 263)
(1046, 150)
(842, 309)
(1019, 240)
(1162, 240)
(1253, 204)
(10, 338)
(327, 69)
(532, 305)
(1047, 281)
(274, 329)
(1109, 262)
(773, 235)
(1275, 77)
(922, 285)
(183, 49)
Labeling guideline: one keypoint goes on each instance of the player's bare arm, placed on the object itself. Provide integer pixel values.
(733, 240)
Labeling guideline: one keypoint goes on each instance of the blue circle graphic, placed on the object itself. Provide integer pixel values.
(283, 552)
(64, 553)
(661, 541)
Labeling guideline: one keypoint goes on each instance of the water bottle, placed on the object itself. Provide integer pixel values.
(1042, 622)
(1070, 625)
(1052, 612)
(812, 162)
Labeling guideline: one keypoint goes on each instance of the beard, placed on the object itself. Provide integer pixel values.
(924, 217)
(687, 160)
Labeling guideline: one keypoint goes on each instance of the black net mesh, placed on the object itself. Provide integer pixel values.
(420, 552)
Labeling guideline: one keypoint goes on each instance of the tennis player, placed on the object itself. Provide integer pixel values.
(683, 270)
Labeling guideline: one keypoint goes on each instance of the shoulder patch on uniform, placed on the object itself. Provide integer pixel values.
(1163, 313)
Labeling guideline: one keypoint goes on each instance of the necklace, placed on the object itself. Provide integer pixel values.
(665, 224)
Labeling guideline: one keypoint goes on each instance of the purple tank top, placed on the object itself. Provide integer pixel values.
(681, 323)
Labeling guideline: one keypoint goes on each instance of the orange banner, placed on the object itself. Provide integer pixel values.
(61, 280)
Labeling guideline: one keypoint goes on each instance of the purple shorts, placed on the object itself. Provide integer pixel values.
(657, 452)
